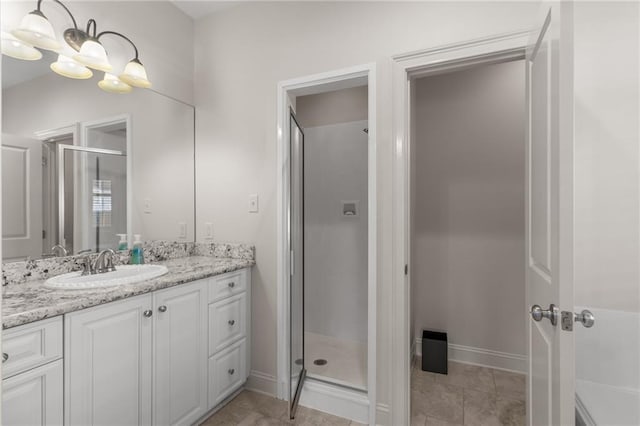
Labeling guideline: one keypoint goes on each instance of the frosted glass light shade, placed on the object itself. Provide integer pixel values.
(18, 49)
(112, 84)
(93, 55)
(67, 67)
(135, 75)
(36, 30)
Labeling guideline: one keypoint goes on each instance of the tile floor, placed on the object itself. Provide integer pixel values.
(255, 409)
(346, 359)
(468, 395)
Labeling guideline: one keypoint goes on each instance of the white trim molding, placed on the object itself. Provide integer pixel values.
(483, 357)
(262, 383)
(493, 49)
(317, 83)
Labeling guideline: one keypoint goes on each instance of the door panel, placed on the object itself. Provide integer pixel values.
(21, 197)
(549, 218)
(296, 293)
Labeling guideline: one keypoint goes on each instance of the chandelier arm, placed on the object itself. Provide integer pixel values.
(73, 19)
(89, 22)
(120, 35)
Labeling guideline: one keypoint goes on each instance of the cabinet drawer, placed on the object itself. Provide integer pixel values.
(31, 345)
(227, 285)
(227, 321)
(226, 372)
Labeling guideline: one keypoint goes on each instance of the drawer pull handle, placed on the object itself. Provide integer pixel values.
(232, 284)
(162, 308)
(5, 357)
(231, 371)
(231, 322)
(147, 313)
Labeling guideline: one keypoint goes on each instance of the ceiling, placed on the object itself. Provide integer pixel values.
(198, 9)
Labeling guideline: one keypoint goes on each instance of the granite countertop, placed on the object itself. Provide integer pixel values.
(27, 302)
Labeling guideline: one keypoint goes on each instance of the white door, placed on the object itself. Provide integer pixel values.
(21, 197)
(108, 364)
(180, 378)
(549, 220)
(33, 397)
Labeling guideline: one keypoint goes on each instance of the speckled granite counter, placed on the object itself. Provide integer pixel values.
(31, 301)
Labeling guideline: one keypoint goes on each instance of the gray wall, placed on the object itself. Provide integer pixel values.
(338, 106)
(468, 259)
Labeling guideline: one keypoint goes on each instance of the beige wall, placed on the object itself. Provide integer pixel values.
(468, 250)
(607, 172)
(339, 106)
(241, 55)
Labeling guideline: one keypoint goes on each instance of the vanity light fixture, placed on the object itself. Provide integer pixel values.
(35, 30)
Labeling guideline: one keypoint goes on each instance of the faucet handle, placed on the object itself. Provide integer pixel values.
(85, 265)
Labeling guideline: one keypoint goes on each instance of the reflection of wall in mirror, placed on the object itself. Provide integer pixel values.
(163, 144)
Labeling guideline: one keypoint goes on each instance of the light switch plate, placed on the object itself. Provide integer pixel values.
(147, 205)
(182, 230)
(253, 203)
(208, 230)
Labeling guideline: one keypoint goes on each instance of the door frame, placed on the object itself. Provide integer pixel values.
(447, 58)
(310, 84)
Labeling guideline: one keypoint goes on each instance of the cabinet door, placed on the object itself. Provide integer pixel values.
(180, 386)
(108, 364)
(34, 397)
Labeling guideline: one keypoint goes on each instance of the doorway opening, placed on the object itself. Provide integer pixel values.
(467, 240)
(326, 350)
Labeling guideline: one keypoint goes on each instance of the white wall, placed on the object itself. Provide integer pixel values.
(468, 271)
(161, 31)
(242, 53)
(607, 167)
(335, 258)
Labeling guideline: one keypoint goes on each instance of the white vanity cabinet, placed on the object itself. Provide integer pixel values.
(139, 361)
(32, 387)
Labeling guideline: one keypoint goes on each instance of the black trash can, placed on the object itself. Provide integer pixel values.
(434, 351)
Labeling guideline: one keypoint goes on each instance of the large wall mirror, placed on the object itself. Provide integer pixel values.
(81, 166)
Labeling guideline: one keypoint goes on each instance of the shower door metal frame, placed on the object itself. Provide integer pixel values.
(293, 403)
(62, 148)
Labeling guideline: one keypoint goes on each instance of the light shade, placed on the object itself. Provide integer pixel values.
(36, 30)
(67, 67)
(18, 49)
(112, 84)
(93, 55)
(135, 75)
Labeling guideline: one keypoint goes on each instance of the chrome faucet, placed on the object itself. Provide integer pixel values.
(104, 262)
(85, 264)
(58, 250)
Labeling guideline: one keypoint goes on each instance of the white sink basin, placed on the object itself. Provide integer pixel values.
(124, 274)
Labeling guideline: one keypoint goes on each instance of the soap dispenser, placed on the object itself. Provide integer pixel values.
(137, 253)
(122, 245)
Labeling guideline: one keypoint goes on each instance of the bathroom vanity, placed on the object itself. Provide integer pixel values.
(164, 351)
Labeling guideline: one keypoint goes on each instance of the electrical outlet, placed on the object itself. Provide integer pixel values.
(147, 205)
(208, 230)
(253, 203)
(182, 230)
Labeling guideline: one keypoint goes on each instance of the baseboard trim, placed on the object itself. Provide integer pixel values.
(482, 357)
(348, 403)
(262, 383)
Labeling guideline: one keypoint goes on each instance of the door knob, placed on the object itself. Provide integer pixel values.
(537, 313)
(162, 308)
(231, 322)
(231, 284)
(586, 318)
(5, 357)
(147, 313)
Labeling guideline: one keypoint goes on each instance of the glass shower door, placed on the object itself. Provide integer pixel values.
(296, 240)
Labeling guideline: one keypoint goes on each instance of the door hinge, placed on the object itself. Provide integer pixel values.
(406, 269)
(291, 260)
(44, 234)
